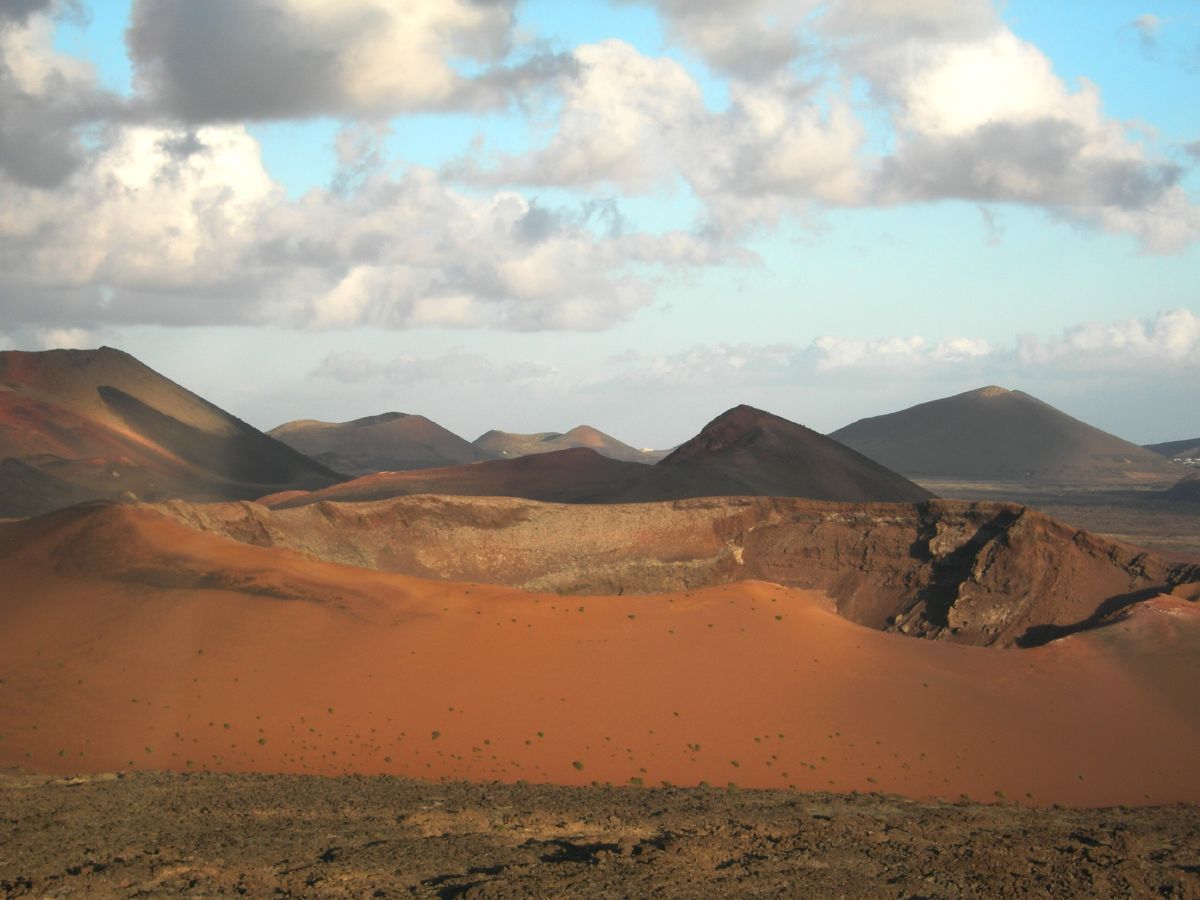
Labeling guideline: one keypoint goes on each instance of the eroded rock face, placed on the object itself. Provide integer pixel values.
(987, 574)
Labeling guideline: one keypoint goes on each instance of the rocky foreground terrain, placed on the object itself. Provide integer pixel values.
(206, 835)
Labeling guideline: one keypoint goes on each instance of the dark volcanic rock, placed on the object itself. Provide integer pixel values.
(356, 837)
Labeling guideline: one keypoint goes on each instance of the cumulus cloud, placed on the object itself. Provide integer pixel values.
(640, 123)
(980, 114)
(749, 39)
(47, 99)
(186, 226)
(976, 113)
(1170, 339)
(21, 10)
(225, 60)
(455, 366)
(893, 353)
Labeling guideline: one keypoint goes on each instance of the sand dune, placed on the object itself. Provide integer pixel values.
(507, 445)
(128, 641)
(744, 451)
(105, 423)
(388, 442)
(993, 434)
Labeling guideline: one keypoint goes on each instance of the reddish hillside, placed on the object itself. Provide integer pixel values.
(742, 452)
(565, 476)
(389, 442)
(990, 574)
(105, 423)
(993, 434)
(506, 445)
(127, 640)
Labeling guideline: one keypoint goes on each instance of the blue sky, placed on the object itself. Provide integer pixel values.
(531, 215)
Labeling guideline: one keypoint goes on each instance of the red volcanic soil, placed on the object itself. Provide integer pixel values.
(988, 574)
(128, 640)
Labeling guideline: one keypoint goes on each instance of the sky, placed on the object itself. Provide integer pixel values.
(632, 214)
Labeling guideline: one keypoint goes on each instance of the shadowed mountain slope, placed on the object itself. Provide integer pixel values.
(742, 452)
(1186, 449)
(28, 491)
(506, 445)
(385, 443)
(106, 423)
(993, 434)
(1186, 490)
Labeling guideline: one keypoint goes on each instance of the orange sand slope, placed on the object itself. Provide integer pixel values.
(129, 640)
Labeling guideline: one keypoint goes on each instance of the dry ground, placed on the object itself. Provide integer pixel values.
(208, 835)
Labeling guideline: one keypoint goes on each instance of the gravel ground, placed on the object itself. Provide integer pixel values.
(279, 836)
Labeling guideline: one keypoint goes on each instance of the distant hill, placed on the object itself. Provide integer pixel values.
(742, 452)
(1178, 450)
(388, 442)
(755, 452)
(104, 423)
(506, 445)
(993, 434)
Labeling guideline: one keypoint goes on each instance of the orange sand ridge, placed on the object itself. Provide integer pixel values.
(127, 640)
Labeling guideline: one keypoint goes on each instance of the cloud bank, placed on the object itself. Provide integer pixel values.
(157, 208)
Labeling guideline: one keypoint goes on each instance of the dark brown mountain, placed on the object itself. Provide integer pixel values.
(748, 451)
(578, 475)
(108, 425)
(1178, 450)
(1186, 490)
(993, 434)
(742, 452)
(507, 445)
(28, 491)
(389, 442)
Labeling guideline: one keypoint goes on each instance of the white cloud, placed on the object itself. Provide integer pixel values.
(749, 39)
(170, 226)
(639, 124)
(68, 339)
(46, 99)
(1170, 340)
(976, 113)
(456, 366)
(222, 60)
